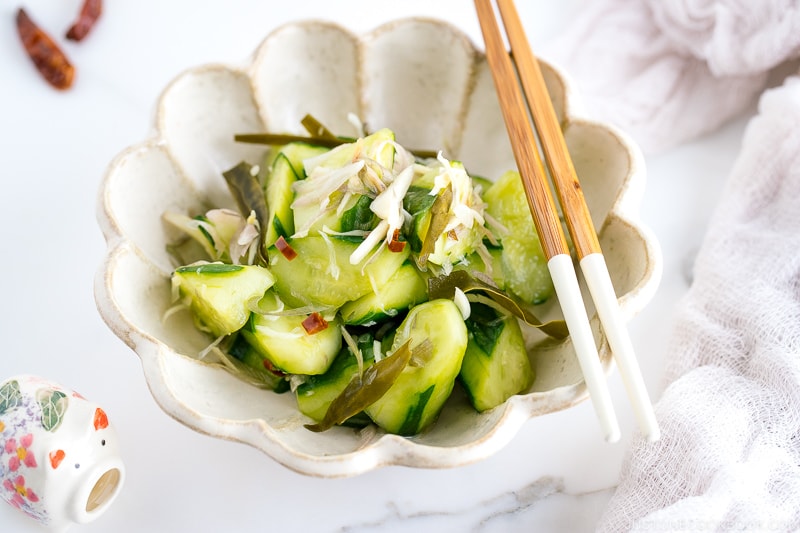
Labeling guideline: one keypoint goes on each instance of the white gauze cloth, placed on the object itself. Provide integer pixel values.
(729, 455)
(666, 71)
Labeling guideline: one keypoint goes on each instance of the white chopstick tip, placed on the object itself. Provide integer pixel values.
(653, 434)
(565, 281)
(613, 436)
(598, 280)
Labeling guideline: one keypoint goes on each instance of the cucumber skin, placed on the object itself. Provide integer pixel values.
(315, 395)
(242, 351)
(279, 195)
(491, 378)
(216, 296)
(415, 400)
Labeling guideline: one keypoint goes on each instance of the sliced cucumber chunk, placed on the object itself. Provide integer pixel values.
(321, 274)
(378, 146)
(416, 398)
(283, 340)
(404, 289)
(496, 364)
(418, 203)
(221, 295)
(523, 260)
(256, 366)
(297, 152)
(315, 395)
(279, 196)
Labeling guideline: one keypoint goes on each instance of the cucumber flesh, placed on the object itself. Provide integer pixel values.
(256, 365)
(283, 340)
(315, 395)
(416, 398)
(221, 295)
(404, 289)
(524, 263)
(297, 152)
(321, 274)
(378, 146)
(496, 364)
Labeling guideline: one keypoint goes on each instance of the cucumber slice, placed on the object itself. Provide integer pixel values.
(356, 214)
(378, 146)
(375, 149)
(415, 400)
(257, 367)
(418, 203)
(283, 340)
(496, 364)
(321, 274)
(279, 197)
(524, 263)
(220, 295)
(475, 263)
(524, 269)
(285, 167)
(297, 152)
(315, 395)
(404, 289)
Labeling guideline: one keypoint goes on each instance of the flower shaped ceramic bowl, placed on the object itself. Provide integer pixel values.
(425, 80)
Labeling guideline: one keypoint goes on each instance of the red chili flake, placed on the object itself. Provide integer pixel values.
(396, 245)
(90, 12)
(272, 368)
(314, 323)
(49, 59)
(285, 248)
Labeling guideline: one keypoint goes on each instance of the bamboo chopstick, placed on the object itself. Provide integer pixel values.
(545, 217)
(570, 194)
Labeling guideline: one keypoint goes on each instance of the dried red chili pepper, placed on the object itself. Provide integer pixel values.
(90, 12)
(396, 245)
(314, 323)
(272, 368)
(49, 59)
(285, 248)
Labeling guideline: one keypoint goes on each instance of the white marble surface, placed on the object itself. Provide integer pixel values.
(556, 475)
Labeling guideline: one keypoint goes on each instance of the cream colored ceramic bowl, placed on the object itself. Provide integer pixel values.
(426, 81)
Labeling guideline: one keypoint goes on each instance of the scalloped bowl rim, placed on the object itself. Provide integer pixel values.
(388, 449)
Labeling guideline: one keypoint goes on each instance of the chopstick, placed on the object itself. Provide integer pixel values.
(576, 213)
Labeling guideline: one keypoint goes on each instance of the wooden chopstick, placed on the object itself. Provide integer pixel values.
(576, 213)
(545, 217)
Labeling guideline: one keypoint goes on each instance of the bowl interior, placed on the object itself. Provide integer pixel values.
(392, 77)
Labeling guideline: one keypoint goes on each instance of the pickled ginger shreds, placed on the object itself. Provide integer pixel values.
(352, 233)
(464, 230)
(388, 206)
(375, 236)
(245, 242)
(333, 266)
(215, 231)
(467, 206)
(402, 157)
(357, 123)
(226, 222)
(317, 188)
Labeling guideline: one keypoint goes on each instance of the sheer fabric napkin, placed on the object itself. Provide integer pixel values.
(667, 71)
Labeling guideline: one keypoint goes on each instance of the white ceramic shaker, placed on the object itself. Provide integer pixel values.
(59, 455)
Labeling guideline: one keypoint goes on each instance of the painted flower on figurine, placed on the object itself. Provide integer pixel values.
(21, 494)
(20, 452)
